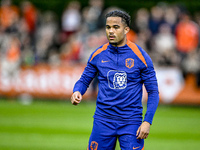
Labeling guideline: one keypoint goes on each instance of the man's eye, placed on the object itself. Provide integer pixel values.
(107, 27)
(116, 27)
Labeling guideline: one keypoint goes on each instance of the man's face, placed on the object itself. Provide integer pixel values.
(116, 31)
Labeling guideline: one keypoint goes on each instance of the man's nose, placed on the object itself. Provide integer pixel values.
(111, 30)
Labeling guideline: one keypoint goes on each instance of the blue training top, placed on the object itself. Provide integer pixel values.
(121, 71)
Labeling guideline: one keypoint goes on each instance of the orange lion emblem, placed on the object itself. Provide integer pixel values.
(129, 63)
(94, 145)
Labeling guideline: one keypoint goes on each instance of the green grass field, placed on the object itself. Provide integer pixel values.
(48, 125)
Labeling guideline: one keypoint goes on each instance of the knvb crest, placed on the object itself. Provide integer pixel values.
(129, 62)
(117, 79)
(94, 145)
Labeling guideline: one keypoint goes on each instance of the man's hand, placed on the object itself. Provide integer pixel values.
(143, 130)
(76, 98)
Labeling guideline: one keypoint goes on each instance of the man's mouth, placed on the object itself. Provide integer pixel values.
(111, 37)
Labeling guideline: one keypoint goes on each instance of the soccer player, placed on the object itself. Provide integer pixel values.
(122, 68)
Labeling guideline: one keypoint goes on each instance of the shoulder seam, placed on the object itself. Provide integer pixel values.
(136, 50)
(104, 47)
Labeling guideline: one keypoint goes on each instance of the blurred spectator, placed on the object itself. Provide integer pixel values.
(27, 56)
(71, 19)
(197, 20)
(9, 16)
(187, 37)
(131, 35)
(45, 36)
(171, 17)
(143, 39)
(141, 20)
(70, 51)
(187, 34)
(54, 58)
(27, 44)
(141, 27)
(156, 19)
(29, 13)
(92, 15)
(164, 46)
(90, 42)
(10, 56)
(190, 65)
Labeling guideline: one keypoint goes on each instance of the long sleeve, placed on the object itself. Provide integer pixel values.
(150, 83)
(83, 83)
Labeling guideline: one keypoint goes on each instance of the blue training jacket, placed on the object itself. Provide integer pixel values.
(121, 71)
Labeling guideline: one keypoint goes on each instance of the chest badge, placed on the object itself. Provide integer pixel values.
(129, 62)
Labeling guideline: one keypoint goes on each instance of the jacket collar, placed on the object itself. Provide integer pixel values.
(120, 49)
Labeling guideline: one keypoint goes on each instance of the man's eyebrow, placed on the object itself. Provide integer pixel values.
(113, 25)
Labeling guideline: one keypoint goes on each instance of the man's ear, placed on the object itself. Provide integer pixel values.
(127, 29)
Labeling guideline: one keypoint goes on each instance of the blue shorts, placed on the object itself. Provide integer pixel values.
(105, 134)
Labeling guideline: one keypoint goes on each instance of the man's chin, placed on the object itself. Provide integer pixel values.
(113, 43)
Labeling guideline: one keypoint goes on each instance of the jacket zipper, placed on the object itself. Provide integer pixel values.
(117, 56)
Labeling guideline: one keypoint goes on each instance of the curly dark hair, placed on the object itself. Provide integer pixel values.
(119, 13)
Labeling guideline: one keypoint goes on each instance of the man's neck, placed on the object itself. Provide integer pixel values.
(119, 44)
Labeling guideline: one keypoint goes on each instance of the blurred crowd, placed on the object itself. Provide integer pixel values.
(169, 34)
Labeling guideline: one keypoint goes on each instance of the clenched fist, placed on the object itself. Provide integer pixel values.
(76, 98)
